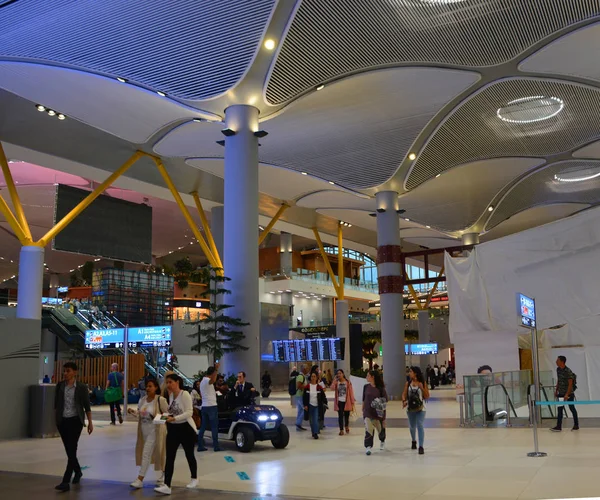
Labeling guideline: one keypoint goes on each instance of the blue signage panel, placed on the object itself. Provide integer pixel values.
(526, 311)
(423, 349)
(105, 339)
(149, 336)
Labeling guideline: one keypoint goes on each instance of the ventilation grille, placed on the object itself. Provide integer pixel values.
(475, 131)
(357, 131)
(331, 38)
(189, 49)
(542, 188)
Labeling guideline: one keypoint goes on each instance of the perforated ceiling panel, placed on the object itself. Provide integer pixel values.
(357, 132)
(329, 38)
(476, 131)
(572, 181)
(188, 49)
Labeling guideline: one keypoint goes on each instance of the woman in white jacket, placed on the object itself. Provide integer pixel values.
(150, 445)
(181, 430)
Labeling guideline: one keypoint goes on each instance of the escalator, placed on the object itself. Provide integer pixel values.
(497, 403)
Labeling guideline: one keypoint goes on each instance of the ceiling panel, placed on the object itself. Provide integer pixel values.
(280, 182)
(592, 150)
(475, 131)
(190, 50)
(457, 199)
(127, 112)
(572, 181)
(337, 199)
(331, 38)
(357, 131)
(574, 54)
(192, 139)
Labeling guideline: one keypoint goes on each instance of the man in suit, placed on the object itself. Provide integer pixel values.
(243, 391)
(71, 405)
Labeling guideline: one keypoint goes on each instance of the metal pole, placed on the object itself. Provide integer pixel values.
(508, 424)
(536, 374)
(530, 408)
(125, 357)
(483, 414)
(536, 452)
(461, 401)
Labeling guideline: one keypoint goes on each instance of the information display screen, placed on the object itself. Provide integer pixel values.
(114, 338)
(105, 339)
(278, 351)
(324, 350)
(300, 346)
(423, 349)
(526, 311)
(290, 351)
(312, 349)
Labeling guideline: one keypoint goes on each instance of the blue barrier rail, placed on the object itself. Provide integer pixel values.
(565, 403)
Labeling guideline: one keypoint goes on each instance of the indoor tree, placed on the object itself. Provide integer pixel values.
(217, 332)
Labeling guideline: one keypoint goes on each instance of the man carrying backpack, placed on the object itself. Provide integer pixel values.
(300, 384)
(565, 391)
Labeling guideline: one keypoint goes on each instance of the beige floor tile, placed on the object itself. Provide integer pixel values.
(478, 488)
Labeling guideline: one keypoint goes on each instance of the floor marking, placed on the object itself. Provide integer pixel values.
(229, 459)
(243, 476)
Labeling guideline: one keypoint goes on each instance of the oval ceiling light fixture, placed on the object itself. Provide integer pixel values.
(269, 44)
(412, 157)
(531, 109)
(332, 183)
(122, 80)
(578, 175)
(162, 94)
(321, 87)
(304, 173)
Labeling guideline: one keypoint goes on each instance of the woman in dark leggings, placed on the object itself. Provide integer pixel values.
(181, 430)
(344, 400)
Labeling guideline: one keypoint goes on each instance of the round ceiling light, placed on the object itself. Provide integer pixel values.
(578, 174)
(530, 109)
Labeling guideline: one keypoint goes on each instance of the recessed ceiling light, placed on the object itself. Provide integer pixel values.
(530, 109)
(304, 173)
(491, 208)
(162, 94)
(412, 156)
(332, 183)
(51, 112)
(437, 175)
(428, 227)
(122, 80)
(61, 116)
(321, 87)
(407, 220)
(39, 107)
(269, 44)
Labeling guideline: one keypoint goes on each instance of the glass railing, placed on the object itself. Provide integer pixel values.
(320, 278)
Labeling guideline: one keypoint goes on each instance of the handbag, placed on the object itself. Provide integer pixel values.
(113, 394)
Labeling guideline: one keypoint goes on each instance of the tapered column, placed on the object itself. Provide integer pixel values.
(390, 291)
(241, 235)
(30, 282)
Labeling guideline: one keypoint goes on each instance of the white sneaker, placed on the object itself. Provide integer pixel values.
(161, 480)
(193, 484)
(163, 490)
(369, 450)
(382, 446)
(137, 484)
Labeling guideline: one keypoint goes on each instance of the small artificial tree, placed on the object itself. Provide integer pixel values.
(217, 332)
(369, 340)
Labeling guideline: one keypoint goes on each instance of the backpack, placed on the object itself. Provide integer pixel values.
(414, 401)
(293, 387)
(379, 405)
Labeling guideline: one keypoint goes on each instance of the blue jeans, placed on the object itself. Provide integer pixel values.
(415, 422)
(313, 417)
(210, 416)
(300, 408)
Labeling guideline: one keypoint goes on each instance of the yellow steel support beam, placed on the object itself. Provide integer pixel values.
(207, 231)
(282, 208)
(415, 297)
(87, 201)
(327, 263)
(12, 221)
(14, 196)
(186, 213)
(341, 261)
(434, 288)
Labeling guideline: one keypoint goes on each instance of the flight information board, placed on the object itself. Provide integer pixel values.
(143, 336)
(329, 349)
(105, 339)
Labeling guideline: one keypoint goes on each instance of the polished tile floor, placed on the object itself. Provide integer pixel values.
(466, 463)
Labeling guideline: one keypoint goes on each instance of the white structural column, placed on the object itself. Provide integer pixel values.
(285, 263)
(342, 330)
(241, 235)
(390, 290)
(31, 281)
(216, 226)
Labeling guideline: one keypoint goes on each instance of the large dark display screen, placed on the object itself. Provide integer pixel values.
(109, 227)
(329, 349)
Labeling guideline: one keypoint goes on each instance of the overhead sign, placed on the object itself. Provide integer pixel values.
(326, 331)
(423, 349)
(142, 336)
(526, 311)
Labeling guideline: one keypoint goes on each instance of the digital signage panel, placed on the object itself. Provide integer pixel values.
(423, 349)
(526, 311)
(149, 336)
(113, 338)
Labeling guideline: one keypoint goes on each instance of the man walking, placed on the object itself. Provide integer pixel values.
(300, 383)
(565, 390)
(71, 405)
(115, 379)
(210, 409)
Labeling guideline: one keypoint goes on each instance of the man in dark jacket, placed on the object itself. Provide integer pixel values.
(243, 392)
(71, 405)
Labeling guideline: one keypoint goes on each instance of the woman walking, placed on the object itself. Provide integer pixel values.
(374, 404)
(344, 400)
(414, 396)
(181, 430)
(150, 445)
(314, 398)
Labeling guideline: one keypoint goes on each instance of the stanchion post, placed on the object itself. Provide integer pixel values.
(536, 452)
(529, 407)
(125, 358)
(461, 402)
(483, 413)
(508, 424)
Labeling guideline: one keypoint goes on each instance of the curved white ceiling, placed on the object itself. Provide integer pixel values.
(532, 217)
(122, 110)
(575, 54)
(457, 198)
(592, 150)
(337, 199)
(192, 139)
(357, 131)
(278, 182)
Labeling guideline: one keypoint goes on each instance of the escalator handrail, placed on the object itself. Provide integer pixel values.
(505, 392)
(542, 390)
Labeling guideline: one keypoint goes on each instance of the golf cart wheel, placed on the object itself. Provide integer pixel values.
(244, 439)
(282, 439)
